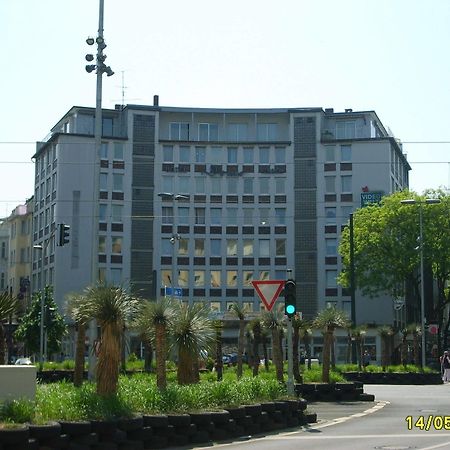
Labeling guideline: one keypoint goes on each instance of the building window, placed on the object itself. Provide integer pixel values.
(231, 247)
(102, 244)
(237, 131)
(247, 277)
(166, 247)
(183, 278)
(264, 275)
(280, 216)
(329, 154)
(280, 155)
(199, 278)
(331, 247)
(247, 247)
(216, 245)
(102, 212)
(116, 277)
(104, 150)
(264, 155)
(200, 185)
(232, 185)
(280, 185)
(346, 129)
(118, 153)
(330, 215)
(231, 216)
(185, 154)
(183, 215)
(216, 185)
(183, 247)
(264, 185)
(346, 153)
(183, 185)
(215, 307)
(346, 183)
(199, 247)
(216, 216)
(330, 185)
(248, 216)
(4, 250)
(116, 213)
(200, 154)
(107, 129)
(167, 215)
(248, 155)
(208, 132)
(267, 131)
(200, 216)
(116, 246)
(248, 306)
(280, 247)
(248, 185)
(103, 181)
(166, 277)
(231, 278)
(167, 183)
(215, 278)
(179, 131)
(232, 155)
(167, 153)
(264, 216)
(264, 247)
(330, 276)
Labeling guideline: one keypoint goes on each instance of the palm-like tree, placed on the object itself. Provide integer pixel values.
(8, 305)
(74, 300)
(358, 334)
(272, 320)
(192, 332)
(296, 325)
(255, 329)
(416, 331)
(328, 320)
(385, 333)
(218, 327)
(153, 324)
(111, 307)
(305, 333)
(239, 311)
(404, 346)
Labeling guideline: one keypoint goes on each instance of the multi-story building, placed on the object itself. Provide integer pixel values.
(4, 252)
(20, 250)
(210, 199)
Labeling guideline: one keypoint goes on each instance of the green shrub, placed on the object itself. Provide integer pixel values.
(17, 411)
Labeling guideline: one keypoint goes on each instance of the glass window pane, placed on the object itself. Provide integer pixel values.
(103, 182)
(231, 278)
(102, 212)
(264, 185)
(117, 182)
(185, 154)
(264, 155)
(280, 185)
(203, 131)
(232, 185)
(183, 278)
(183, 185)
(215, 278)
(248, 185)
(117, 211)
(199, 216)
(118, 150)
(216, 216)
(183, 215)
(216, 247)
(329, 154)
(264, 275)
(247, 247)
(346, 183)
(330, 184)
(216, 185)
(199, 247)
(166, 247)
(199, 278)
(232, 216)
(330, 214)
(167, 153)
(167, 184)
(264, 247)
(248, 216)
(248, 156)
(280, 247)
(183, 247)
(280, 155)
(199, 185)
(330, 246)
(166, 277)
(116, 244)
(346, 153)
(102, 244)
(232, 155)
(200, 154)
(247, 277)
(231, 247)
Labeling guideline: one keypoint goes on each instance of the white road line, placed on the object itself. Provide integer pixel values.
(445, 444)
(303, 437)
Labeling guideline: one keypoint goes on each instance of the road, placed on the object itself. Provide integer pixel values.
(380, 425)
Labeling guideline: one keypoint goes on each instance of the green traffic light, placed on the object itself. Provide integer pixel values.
(290, 309)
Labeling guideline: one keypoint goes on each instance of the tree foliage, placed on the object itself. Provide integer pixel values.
(29, 329)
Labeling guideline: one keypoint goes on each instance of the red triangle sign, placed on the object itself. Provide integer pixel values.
(268, 291)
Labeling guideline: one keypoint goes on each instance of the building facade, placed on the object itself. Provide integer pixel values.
(208, 200)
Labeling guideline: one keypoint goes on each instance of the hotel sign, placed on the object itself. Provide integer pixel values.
(369, 198)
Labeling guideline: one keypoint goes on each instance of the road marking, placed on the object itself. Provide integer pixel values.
(361, 436)
(445, 444)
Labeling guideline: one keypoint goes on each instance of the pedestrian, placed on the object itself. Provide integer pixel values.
(445, 367)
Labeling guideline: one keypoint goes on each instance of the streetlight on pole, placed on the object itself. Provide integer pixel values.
(175, 236)
(427, 201)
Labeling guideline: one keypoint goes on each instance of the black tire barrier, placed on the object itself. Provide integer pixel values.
(16, 436)
(393, 377)
(156, 421)
(179, 420)
(49, 430)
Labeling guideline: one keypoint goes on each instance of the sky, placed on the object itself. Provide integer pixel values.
(391, 56)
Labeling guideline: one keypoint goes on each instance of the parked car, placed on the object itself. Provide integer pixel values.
(23, 362)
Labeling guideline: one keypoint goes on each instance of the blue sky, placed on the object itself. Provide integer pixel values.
(390, 56)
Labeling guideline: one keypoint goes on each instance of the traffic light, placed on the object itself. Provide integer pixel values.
(290, 298)
(63, 234)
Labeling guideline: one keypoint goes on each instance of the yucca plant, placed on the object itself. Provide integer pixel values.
(254, 327)
(153, 324)
(272, 320)
(358, 334)
(112, 307)
(385, 333)
(404, 346)
(328, 320)
(416, 331)
(192, 332)
(239, 311)
(8, 305)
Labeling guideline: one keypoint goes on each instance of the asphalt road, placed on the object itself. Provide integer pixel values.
(380, 425)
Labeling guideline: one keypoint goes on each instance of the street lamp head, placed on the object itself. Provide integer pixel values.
(181, 197)
(89, 57)
(38, 247)
(90, 68)
(90, 40)
(409, 201)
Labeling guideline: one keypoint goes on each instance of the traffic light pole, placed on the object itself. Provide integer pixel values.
(290, 380)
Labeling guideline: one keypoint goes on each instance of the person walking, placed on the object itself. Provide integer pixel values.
(445, 367)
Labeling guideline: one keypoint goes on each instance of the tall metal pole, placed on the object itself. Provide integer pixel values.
(41, 331)
(422, 286)
(95, 208)
(290, 380)
(352, 285)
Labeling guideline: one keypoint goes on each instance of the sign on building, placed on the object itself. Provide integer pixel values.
(369, 198)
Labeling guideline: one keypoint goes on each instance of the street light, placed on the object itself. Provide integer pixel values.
(175, 236)
(427, 201)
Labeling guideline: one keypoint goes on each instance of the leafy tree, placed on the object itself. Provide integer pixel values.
(112, 307)
(239, 311)
(386, 257)
(328, 320)
(29, 330)
(8, 306)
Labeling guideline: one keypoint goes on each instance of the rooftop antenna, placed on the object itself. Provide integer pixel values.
(123, 89)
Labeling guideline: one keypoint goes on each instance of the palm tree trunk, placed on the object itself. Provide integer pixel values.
(416, 350)
(219, 361)
(240, 347)
(255, 355)
(404, 350)
(265, 354)
(79, 355)
(109, 360)
(2, 344)
(295, 359)
(277, 357)
(160, 344)
(327, 341)
(333, 354)
(195, 370)
(148, 355)
(184, 368)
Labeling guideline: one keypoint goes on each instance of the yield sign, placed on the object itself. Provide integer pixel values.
(268, 291)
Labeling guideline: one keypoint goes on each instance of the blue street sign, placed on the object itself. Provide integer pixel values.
(177, 292)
